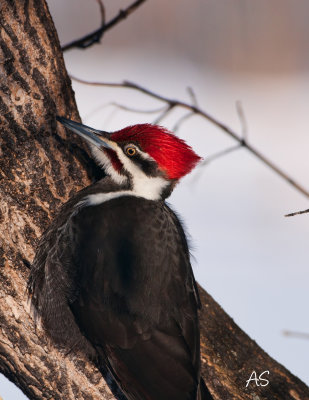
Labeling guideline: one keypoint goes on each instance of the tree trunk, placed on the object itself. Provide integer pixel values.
(39, 170)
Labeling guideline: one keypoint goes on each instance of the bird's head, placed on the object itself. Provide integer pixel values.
(147, 157)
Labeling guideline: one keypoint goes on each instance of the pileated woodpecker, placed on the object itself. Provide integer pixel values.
(113, 269)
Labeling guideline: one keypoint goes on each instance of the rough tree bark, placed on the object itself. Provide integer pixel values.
(39, 170)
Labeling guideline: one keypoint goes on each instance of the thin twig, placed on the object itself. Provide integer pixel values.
(110, 117)
(190, 114)
(95, 36)
(164, 114)
(219, 154)
(242, 119)
(297, 213)
(211, 158)
(124, 108)
(137, 110)
(172, 103)
(182, 120)
(192, 96)
(102, 11)
(94, 111)
(300, 335)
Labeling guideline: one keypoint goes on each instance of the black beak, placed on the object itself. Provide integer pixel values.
(92, 136)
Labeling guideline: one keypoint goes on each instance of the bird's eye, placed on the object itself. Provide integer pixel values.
(131, 151)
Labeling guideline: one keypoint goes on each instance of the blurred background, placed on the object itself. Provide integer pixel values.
(246, 254)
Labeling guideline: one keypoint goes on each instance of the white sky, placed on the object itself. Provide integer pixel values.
(250, 258)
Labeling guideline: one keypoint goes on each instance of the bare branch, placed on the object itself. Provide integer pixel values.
(182, 120)
(111, 116)
(164, 114)
(213, 157)
(96, 36)
(300, 335)
(192, 96)
(121, 107)
(219, 154)
(102, 11)
(297, 213)
(172, 103)
(242, 119)
(136, 110)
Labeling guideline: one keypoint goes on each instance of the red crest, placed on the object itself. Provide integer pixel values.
(172, 154)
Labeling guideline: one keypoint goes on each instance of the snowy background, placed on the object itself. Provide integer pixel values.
(248, 256)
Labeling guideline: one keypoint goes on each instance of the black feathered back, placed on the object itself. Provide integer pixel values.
(117, 275)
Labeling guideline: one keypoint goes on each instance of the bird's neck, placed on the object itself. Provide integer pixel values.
(148, 187)
(155, 189)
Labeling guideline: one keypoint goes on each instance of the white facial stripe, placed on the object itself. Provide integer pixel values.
(99, 198)
(145, 156)
(104, 161)
(143, 186)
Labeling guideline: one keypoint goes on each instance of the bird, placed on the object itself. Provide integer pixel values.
(112, 272)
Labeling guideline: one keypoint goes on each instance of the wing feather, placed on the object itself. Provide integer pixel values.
(138, 301)
(117, 277)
